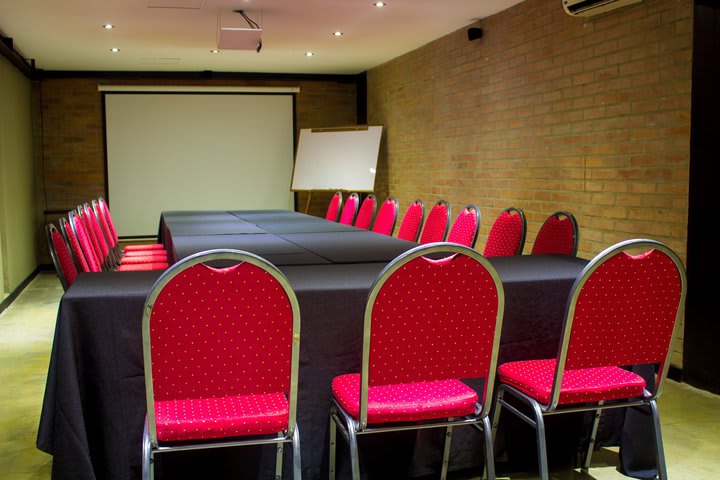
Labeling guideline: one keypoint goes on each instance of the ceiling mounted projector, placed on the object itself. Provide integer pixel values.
(238, 32)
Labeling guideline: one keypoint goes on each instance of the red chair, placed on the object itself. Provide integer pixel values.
(507, 234)
(622, 311)
(100, 255)
(465, 228)
(61, 256)
(234, 380)
(437, 223)
(105, 212)
(412, 221)
(386, 217)
(366, 213)
(69, 234)
(350, 209)
(428, 324)
(557, 235)
(79, 231)
(333, 210)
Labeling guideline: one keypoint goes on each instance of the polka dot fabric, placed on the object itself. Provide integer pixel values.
(436, 225)
(220, 333)
(433, 320)
(625, 313)
(406, 402)
(464, 229)
(365, 215)
(82, 237)
(535, 378)
(505, 236)
(349, 210)
(334, 208)
(137, 267)
(385, 221)
(144, 247)
(411, 223)
(555, 236)
(232, 416)
(89, 232)
(64, 257)
(91, 220)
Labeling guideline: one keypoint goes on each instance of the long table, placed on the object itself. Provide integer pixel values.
(94, 406)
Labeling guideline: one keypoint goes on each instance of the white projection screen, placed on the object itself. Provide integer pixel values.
(196, 151)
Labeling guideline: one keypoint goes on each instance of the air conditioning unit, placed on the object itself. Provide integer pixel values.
(588, 8)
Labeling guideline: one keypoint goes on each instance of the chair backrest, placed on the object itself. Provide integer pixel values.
(386, 217)
(61, 256)
(507, 234)
(349, 210)
(412, 221)
(214, 332)
(333, 210)
(465, 228)
(90, 234)
(558, 234)
(72, 240)
(106, 210)
(94, 224)
(366, 213)
(433, 319)
(623, 310)
(437, 223)
(102, 219)
(80, 232)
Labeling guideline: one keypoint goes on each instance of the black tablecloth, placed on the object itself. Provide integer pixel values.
(94, 406)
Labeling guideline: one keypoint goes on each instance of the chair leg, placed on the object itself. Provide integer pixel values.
(297, 465)
(354, 455)
(489, 451)
(542, 447)
(497, 407)
(446, 452)
(591, 445)
(147, 465)
(279, 458)
(333, 443)
(660, 450)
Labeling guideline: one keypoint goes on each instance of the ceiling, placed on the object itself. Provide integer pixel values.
(178, 35)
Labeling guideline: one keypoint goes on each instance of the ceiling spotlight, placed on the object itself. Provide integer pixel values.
(214, 50)
(108, 26)
(114, 50)
(338, 34)
(309, 54)
(379, 4)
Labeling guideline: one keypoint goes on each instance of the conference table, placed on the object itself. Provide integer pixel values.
(94, 406)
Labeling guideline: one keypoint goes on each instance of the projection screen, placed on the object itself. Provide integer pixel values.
(190, 151)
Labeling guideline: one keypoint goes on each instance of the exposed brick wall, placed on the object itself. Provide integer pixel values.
(72, 126)
(548, 112)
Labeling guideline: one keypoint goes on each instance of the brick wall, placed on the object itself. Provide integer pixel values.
(548, 112)
(72, 130)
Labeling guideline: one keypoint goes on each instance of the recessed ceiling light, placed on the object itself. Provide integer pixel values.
(114, 50)
(338, 34)
(108, 26)
(379, 4)
(309, 54)
(214, 50)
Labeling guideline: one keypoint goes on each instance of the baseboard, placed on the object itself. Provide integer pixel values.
(14, 294)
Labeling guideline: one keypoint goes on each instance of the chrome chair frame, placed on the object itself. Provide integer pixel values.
(49, 229)
(151, 445)
(552, 408)
(350, 428)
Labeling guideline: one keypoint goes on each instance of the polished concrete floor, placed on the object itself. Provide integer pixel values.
(690, 417)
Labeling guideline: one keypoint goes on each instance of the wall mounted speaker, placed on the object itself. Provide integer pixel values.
(474, 33)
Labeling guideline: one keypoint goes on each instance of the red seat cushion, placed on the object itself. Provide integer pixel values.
(206, 418)
(406, 402)
(148, 246)
(145, 253)
(144, 259)
(136, 267)
(535, 378)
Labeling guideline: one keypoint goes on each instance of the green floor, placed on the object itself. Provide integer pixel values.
(690, 417)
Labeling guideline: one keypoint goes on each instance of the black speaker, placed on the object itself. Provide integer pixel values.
(474, 33)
